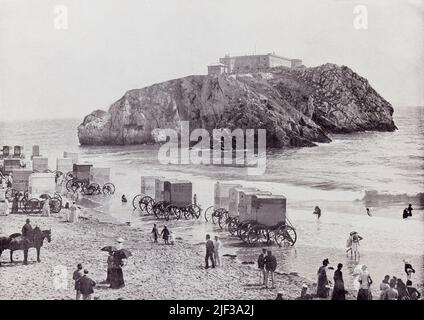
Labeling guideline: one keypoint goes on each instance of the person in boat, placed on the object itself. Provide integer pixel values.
(124, 199)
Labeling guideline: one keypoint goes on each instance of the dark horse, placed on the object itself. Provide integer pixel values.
(18, 242)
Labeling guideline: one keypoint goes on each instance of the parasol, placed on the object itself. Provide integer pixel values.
(109, 248)
(123, 253)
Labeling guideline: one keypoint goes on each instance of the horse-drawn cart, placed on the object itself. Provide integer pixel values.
(88, 179)
(262, 219)
(166, 198)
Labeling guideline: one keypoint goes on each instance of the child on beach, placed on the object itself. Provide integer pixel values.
(165, 234)
(155, 233)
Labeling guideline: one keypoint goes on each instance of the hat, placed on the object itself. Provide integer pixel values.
(119, 240)
(305, 286)
(364, 267)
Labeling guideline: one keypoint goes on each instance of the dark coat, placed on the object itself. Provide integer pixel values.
(26, 230)
(209, 246)
(78, 274)
(86, 285)
(270, 263)
(261, 261)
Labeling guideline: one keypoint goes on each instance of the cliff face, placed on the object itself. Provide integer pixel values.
(297, 107)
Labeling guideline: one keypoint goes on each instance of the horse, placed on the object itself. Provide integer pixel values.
(4, 244)
(34, 240)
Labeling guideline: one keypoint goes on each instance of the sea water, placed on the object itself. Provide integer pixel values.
(335, 176)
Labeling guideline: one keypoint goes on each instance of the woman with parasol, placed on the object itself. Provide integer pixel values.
(116, 273)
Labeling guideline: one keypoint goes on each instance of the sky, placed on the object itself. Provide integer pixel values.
(55, 69)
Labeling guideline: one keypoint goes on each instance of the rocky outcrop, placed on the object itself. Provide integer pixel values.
(297, 107)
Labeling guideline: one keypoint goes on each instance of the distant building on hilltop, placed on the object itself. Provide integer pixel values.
(215, 69)
(251, 63)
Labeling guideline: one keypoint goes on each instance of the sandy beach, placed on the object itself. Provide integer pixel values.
(155, 271)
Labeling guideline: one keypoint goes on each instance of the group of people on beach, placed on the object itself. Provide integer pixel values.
(267, 264)
(390, 289)
(165, 233)
(213, 248)
(84, 285)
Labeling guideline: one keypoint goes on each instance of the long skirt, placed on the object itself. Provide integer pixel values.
(339, 292)
(116, 278)
(363, 294)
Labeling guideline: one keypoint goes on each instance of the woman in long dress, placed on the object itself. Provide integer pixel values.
(116, 275)
(339, 292)
(322, 290)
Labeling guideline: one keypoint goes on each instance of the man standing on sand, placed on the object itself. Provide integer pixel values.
(86, 286)
(261, 266)
(270, 266)
(217, 247)
(209, 252)
(78, 274)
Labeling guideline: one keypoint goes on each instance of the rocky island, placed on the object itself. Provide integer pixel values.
(297, 106)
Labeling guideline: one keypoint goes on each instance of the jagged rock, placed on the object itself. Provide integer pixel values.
(298, 107)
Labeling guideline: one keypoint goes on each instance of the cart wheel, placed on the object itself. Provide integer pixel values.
(136, 202)
(243, 229)
(195, 210)
(33, 206)
(92, 189)
(223, 218)
(285, 235)
(216, 215)
(257, 233)
(69, 176)
(108, 189)
(159, 210)
(186, 213)
(70, 186)
(55, 205)
(57, 195)
(148, 205)
(172, 211)
(232, 225)
(208, 213)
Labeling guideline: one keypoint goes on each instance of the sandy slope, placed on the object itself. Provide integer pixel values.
(156, 271)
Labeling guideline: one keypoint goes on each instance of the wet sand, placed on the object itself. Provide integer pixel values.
(156, 271)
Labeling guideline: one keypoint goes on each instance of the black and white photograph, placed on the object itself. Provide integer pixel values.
(217, 150)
